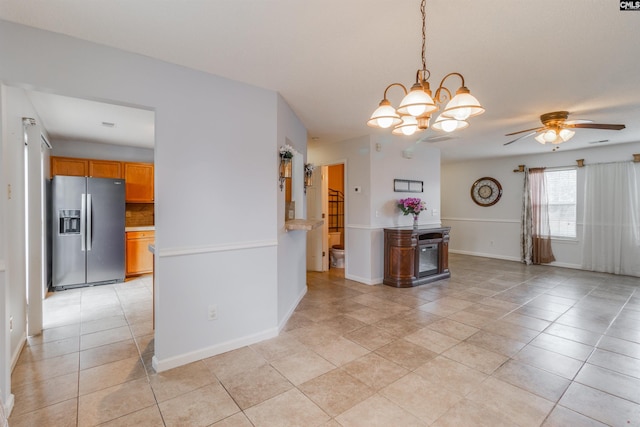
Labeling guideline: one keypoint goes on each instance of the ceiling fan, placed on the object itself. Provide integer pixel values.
(556, 129)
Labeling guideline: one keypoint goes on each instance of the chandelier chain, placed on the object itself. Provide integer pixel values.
(424, 33)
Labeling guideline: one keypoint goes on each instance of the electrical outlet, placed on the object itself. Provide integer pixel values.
(213, 312)
(10, 323)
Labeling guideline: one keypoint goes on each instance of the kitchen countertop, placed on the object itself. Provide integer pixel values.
(141, 228)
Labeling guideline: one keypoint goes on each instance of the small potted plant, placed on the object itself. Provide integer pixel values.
(286, 154)
(413, 206)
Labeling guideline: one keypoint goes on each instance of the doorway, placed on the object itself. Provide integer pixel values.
(326, 246)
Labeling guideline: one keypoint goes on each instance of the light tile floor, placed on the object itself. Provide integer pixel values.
(499, 344)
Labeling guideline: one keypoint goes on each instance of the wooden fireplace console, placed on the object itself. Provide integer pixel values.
(403, 249)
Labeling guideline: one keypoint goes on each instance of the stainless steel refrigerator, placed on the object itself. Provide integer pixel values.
(87, 231)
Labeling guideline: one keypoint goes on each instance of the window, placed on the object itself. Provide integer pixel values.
(561, 194)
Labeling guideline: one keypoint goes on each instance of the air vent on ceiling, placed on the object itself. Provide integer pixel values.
(599, 142)
(436, 138)
(108, 124)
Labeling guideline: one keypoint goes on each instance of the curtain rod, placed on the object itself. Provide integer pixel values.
(580, 163)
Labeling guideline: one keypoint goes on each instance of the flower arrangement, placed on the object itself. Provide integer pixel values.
(287, 151)
(412, 205)
(308, 169)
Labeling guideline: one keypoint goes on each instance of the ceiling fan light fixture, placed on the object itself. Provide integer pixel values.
(549, 135)
(419, 102)
(556, 129)
(566, 134)
(384, 116)
(447, 124)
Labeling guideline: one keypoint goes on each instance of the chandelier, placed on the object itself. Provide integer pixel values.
(416, 108)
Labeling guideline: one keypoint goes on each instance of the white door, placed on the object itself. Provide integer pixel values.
(324, 193)
(314, 211)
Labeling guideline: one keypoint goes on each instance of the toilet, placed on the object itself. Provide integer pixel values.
(336, 250)
(336, 254)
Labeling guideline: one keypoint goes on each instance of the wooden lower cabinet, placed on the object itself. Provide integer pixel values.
(415, 256)
(138, 259)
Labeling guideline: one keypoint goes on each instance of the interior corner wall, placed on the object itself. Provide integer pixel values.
(373, 208)
(494, 231)
(212, 246)
(292, 245)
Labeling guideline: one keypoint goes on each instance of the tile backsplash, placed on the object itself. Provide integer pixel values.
(139, 214)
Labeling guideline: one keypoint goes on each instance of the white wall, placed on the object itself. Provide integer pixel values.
(216, 184)
(96, 150)
(372, 168)
(494, 231)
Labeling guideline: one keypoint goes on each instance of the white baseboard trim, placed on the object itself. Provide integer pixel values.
(292, 309)
(484, 255)
(566, 265)
(551, 264)
(8, 404)
(183, 359)
(16, 354)
(374, 281)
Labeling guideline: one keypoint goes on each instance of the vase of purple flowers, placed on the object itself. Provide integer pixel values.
(412, 206)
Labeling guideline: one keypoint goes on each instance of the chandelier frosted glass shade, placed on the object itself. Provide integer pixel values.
(463, 106)
(408, 127)
(417, 102)
(447, 124)
(384, 116)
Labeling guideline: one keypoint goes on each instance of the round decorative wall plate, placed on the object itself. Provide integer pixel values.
(486, 191)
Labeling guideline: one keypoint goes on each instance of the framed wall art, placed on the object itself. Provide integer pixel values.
(408, 186)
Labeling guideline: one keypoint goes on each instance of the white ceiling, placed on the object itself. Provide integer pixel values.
(74, 119)
(332, 59)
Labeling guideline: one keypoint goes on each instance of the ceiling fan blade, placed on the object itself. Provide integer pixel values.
(596, 126)
(526, 130)
(519, 138)
(577, 121)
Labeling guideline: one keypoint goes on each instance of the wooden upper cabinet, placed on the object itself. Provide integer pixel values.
(105, 169)
(139, 182)
(69, 166)
(138, 176)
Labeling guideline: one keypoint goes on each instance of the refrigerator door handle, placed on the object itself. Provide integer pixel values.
(83, 225)
(89, 225)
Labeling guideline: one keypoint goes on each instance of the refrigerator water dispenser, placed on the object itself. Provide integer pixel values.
(69, 220)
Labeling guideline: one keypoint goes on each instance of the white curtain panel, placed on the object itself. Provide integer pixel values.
(612, 218)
